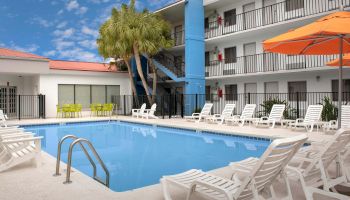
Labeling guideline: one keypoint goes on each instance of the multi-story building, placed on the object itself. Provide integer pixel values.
(233, 57)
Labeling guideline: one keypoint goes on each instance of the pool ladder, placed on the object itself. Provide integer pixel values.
(81, 142)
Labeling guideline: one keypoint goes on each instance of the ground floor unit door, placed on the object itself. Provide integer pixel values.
(250, 90)
(8, 100)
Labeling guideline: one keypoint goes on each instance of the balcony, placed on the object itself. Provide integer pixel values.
(179, 38)
(260, 17)
(279, 12)
(265, 62)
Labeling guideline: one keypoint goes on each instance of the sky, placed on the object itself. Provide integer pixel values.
(59, 29)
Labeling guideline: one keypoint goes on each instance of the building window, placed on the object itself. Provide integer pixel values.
(297, 91)
(207, 58)
(346, 90)
(206, 23)
(230, 55)
(230, 17)
(88, 94)
(294, 5)
(207, 93)
(65, 94)
(82, 95)
(231, 92)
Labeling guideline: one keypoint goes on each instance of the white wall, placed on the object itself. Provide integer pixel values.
(49, 84)
(313, 84)
(23, 67)
(26, 85)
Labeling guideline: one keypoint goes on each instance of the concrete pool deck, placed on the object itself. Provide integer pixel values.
(28, 182)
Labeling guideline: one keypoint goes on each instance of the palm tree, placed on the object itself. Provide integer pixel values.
(110, 45)
(135, 34)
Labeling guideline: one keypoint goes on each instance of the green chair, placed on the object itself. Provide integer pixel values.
(59, 113)
(66, 110)
(93, 110)
(99, 109)
(78, 109)
(107, 109)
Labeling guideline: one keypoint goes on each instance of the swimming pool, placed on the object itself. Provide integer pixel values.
(138, 155)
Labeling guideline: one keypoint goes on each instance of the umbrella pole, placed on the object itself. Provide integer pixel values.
(340, 90)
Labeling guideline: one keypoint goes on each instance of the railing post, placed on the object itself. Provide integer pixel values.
(182, 105)
(175, 104)
(44, 107)
(162, 103)
(170, 105)
(19, 107)
(196, 102)
(248, 97)
(298, 113)
(124, 99)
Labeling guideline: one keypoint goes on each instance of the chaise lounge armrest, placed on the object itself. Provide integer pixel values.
(30, 139)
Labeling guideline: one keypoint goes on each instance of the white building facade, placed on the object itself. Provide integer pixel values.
(28, 76)
(234, 58)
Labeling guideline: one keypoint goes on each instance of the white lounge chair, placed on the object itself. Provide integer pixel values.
(138, 112)
(246, 182)
(276, 115)
(345, 120)
(311, 164)
(246, 116)
(220, 118)
(16, 151)
(149, 113)
(313, 115)
(3, 119)
(206, 110)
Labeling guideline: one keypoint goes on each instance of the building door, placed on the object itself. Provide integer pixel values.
(249, 16)
(250, 90)
(8, 97)
(269, 12)
(250, 57)
(271, 90)
(178, 35)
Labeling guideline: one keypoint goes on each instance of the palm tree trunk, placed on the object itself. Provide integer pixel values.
(154, 79)
(131, 76)
(140, 71)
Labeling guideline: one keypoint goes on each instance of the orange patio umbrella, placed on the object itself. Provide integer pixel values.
(326, 36)
(336, 62)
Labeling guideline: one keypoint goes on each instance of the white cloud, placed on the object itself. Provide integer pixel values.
(78, 54)
(31, 48)
(99, 1)
(42, 22)
(64, 33)
(60, 12)
(88, 31)
(50, 53)
(89, 44)
(73, 5)
(62, 25)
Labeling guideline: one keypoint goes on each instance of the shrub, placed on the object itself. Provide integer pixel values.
(267, 107)
(330, 111)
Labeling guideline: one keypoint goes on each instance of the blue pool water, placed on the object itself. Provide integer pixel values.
(139, 155)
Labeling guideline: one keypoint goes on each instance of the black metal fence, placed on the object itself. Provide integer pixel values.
(178, 105)
(23, 106)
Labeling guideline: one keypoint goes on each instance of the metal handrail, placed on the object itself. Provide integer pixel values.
(80, 140)
(58, 161)
(69, 164)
